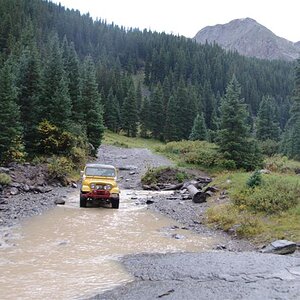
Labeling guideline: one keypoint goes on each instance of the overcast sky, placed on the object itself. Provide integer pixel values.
(187, 17)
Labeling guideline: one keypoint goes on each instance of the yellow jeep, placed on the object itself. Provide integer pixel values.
(99, 185)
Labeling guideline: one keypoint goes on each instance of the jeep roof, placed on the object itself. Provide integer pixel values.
(100, 166)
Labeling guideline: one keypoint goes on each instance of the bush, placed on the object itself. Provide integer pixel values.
(281, 164)
(78, 157)
(269, 147)
(5, 179)
(51, 140)
(164, 175)
(200, 153)
(59, 168)
(275, 195)
(254, 180)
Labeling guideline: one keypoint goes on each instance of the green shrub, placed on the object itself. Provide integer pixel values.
(200, 153)
(78, 157)
(51, 140)
(228, 164)
(164, 175)
(59, 168)
(275, 195)
(269, 147)
(281, 164)
(254, 180)
(5, 179)
(181, 176)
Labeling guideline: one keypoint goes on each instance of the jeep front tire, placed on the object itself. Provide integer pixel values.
(115, 203)
(82, 201)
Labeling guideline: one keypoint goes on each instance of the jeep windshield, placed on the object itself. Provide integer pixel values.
(98, 171)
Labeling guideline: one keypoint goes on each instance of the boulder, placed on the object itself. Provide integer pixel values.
(280, 247)
(59, 201)
(14, 191)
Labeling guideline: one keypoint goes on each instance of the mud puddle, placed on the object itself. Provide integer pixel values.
(73, 253)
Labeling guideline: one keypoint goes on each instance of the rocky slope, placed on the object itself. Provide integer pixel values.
(249, 38)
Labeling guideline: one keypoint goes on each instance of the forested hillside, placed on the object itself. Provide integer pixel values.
(65, 76)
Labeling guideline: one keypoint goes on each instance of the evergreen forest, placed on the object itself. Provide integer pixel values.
(65, 77)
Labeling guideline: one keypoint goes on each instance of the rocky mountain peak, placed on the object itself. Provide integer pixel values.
(249, 38)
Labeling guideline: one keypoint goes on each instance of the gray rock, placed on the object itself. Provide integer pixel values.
(177, 236)
(146, 187)
(127, 168)
(15, 184)
(43, 189)
(14, 191)
(4, 170)
(149, 201)
(264, 171)
(60, 202)
(26, 188)
(132, 173)
(74, 185)
(280, 247)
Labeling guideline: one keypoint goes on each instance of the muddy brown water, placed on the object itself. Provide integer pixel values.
(73, 253)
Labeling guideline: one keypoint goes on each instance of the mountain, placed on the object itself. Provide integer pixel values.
(249, 38)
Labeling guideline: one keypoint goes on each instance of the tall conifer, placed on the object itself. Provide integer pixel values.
(234, 139)
(10, 127)
(291, 141)
(91, 98)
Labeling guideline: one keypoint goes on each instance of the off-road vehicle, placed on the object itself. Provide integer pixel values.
(99, 185)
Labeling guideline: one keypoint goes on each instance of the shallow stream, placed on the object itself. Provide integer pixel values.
(73, 253)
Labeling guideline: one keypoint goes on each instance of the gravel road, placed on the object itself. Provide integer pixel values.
(233, 273)
(210, 275)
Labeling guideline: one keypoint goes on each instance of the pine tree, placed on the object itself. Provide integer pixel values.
(11, 147)
(199, 131)
(291, 140)
(267, 126)
(129, 111)
(139, 96)
(171, 130)
(93, 117)
(157, 112)
(113, 114)
(29, 96)
(234, 139)
(57, 106)
(72, 69)
(145, 118)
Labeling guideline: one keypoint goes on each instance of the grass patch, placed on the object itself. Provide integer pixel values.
(268, 211)
(281, 164)
(120, 140)
(196, 154)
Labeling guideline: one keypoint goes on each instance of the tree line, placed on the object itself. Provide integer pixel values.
(64, 77)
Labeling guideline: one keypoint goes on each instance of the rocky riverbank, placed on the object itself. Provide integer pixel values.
(29, 193)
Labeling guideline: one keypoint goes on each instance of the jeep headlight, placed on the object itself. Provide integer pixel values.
(107, 187)
(93, 186)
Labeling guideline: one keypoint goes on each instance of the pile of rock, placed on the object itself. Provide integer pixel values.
(25, 178)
